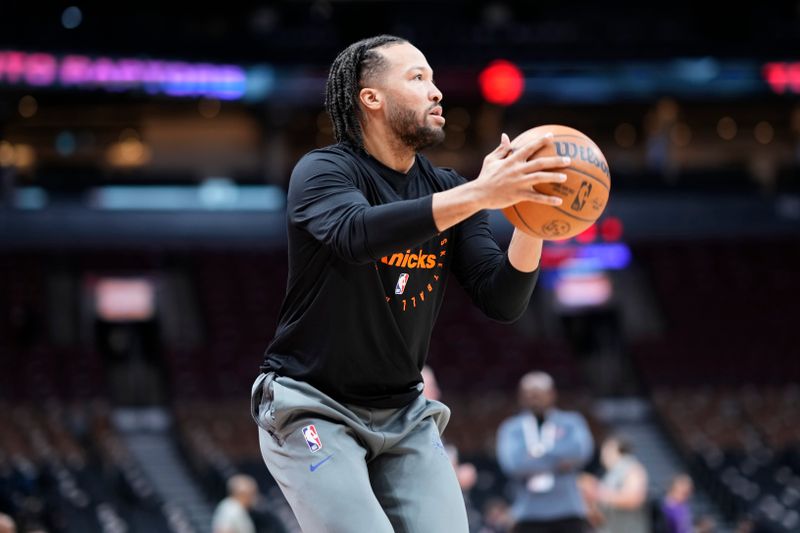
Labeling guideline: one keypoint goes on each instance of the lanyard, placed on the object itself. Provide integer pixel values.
(538, 440)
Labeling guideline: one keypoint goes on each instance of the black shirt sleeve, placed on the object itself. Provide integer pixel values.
(501, 291)
(325, 201)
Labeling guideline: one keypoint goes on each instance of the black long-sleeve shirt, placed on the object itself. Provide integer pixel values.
(367, 273)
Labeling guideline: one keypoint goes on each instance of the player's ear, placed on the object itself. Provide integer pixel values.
(371, 98)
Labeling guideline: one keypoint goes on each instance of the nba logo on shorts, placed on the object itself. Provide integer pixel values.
(401, 284)
(312, 438)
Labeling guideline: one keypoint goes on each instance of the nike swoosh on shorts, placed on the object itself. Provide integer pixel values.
(313, 467)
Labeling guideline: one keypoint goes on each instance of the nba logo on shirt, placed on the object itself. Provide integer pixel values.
(401, 284)
(312, 438)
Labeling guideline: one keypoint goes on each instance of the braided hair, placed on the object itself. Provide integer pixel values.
(358, 63)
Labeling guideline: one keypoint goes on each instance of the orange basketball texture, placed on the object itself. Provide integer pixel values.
(584, 194)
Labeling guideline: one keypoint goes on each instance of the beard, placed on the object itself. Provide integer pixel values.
(405, 125)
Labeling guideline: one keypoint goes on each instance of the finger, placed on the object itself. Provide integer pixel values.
(505, 141)
(546, 177)
(525, 151)
(504, 148)
(550, 162)
(545, 199)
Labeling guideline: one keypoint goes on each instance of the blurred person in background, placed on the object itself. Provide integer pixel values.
(621, 495)
(374, 230)
(587, 485)
(7, 524)
(232, 515)
(675, 507)
(467, 476)
(542, 449)
(745, 525)
(705, 524)
(466, 473)
(431, 388)
(497, 516)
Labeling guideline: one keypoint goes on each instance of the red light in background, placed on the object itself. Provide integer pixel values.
(501, 82)
(782, 76)
(611, 229)
(588, 235)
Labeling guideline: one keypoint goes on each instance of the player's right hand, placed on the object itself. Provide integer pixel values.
(509, 174)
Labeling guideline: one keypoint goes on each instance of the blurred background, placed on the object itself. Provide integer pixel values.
(144, 158)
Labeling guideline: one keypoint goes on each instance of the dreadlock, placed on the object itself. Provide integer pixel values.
(358, 63)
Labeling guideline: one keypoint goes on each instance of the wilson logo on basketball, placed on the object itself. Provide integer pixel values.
(584, 153)
(410, 260)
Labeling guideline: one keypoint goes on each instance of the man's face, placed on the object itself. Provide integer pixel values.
(412, 107)
(537, 400)
(250, 496)
(683, 489)
(609, 453)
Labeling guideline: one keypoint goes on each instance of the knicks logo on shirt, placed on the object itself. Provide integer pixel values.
(410, 260)
(429, 262)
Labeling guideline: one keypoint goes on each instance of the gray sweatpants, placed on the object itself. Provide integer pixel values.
(355, 469)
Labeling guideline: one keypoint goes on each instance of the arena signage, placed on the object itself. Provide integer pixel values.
(153, 76)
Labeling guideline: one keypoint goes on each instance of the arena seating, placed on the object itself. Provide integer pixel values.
(741, 440)
(220, 439)
(728, 310)
(63, 467)
(744, 447)
(723, 373)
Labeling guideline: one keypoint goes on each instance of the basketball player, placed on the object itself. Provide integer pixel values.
(374, 232)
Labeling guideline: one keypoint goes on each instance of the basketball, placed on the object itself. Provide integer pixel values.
(584, 193)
